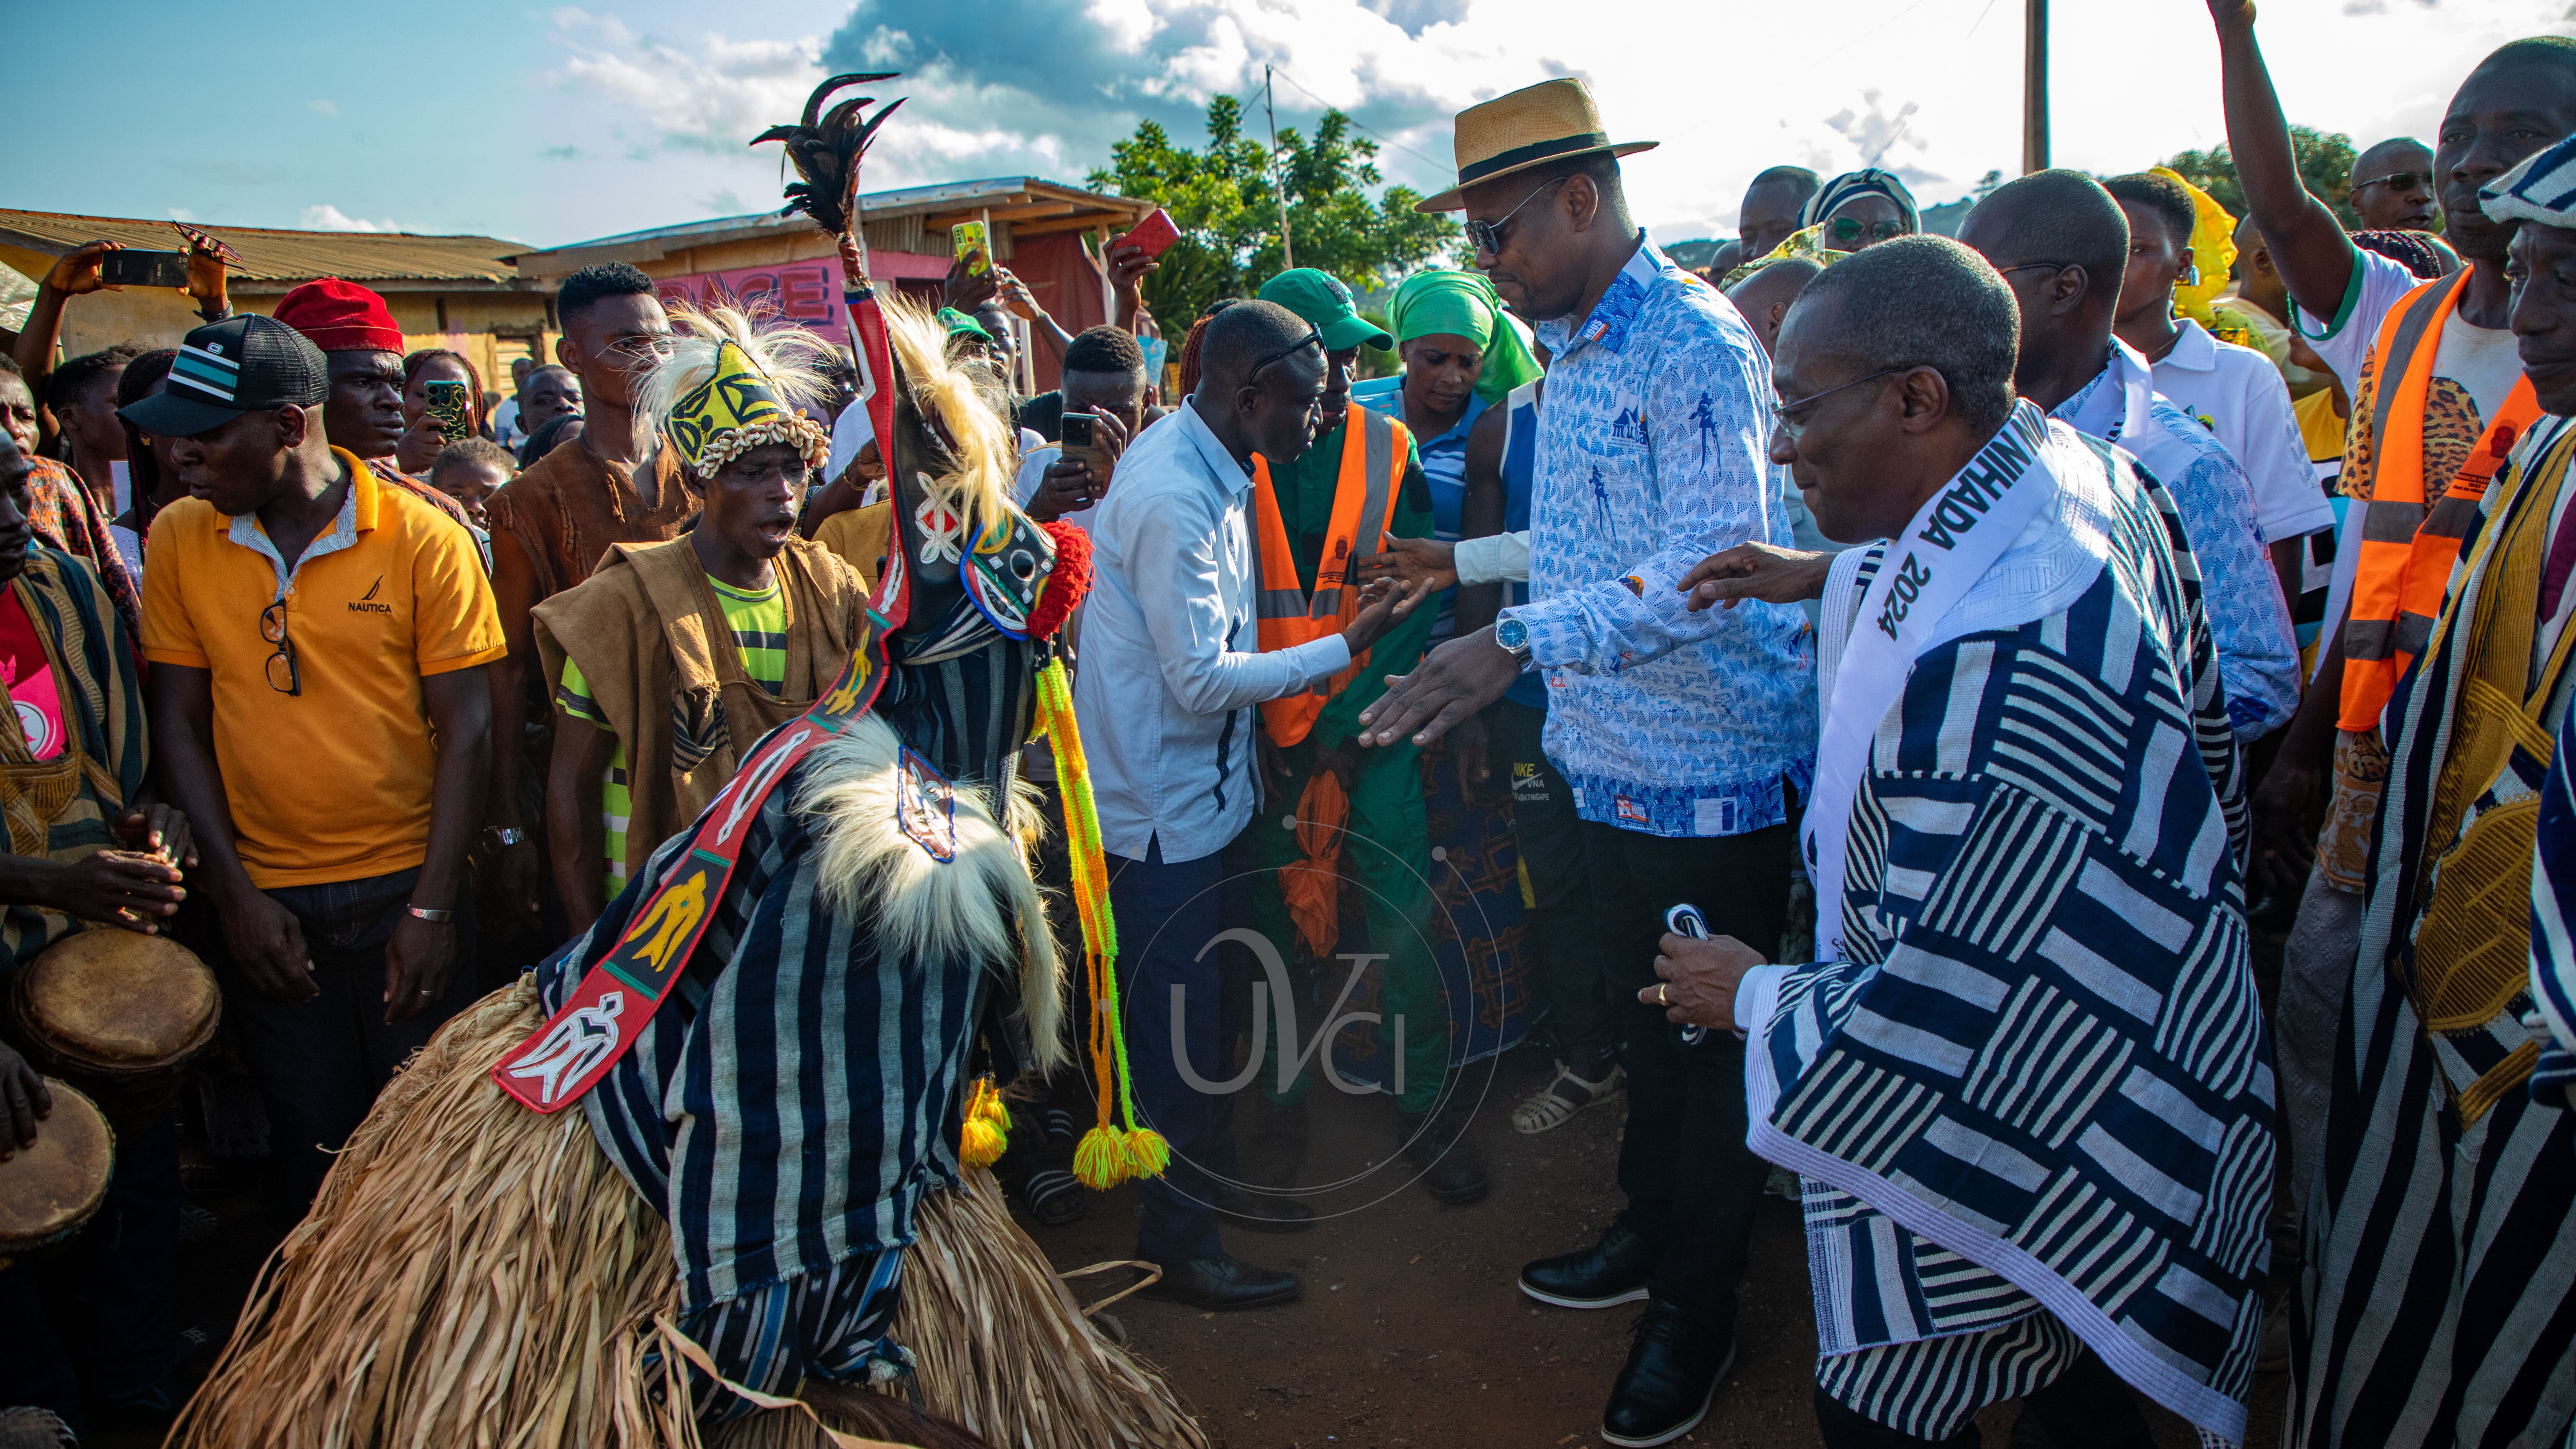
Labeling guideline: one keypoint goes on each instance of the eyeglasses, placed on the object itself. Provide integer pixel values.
(272, 627)
(1312, 339)
(1487, 236)
(2034, 267)
(1782, 414)
(1850, 229)
(2399, 181)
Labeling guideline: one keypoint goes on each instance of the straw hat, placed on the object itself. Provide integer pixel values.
(1545, 122)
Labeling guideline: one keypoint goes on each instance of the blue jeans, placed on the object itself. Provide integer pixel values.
(1167, 915)
(321, 1062)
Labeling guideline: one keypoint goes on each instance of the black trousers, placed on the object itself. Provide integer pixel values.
(1550, 838)
(1691, 1182)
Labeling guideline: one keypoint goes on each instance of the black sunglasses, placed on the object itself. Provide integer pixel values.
(272, 627)
(1312, 339)
(2399, 181)
(1487, 236)
(1850, 229)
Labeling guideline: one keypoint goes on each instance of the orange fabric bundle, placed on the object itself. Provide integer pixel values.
(1313, 886)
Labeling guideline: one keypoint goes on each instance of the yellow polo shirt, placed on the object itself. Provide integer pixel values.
(332, 784)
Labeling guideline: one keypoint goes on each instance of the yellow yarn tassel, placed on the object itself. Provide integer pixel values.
(988, 1126)
(1108, 1154)
(1100, 1160)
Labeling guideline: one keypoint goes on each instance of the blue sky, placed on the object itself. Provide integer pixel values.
(553, 125)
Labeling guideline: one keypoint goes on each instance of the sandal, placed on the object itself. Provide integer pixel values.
(1555, 1104)
(1055, 1197)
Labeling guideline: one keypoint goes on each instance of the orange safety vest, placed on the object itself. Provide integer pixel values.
(2407, 551)
(1373, 456)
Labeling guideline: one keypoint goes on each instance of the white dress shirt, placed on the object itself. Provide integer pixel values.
(1171, 658)
(2238, 395)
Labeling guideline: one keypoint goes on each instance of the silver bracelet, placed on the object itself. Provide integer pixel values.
(434, 917)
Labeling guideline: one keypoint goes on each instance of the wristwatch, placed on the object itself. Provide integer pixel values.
(505, 835)
(1513, 635)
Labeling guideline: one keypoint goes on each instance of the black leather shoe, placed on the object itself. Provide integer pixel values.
(1673, 1370)
(1610, 1272)
(1261, 1213)
(1451, 1171)
(1222, 1283)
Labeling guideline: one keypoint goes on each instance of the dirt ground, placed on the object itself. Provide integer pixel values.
(1412, 1333)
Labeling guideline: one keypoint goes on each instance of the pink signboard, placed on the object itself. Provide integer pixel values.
(806, 292)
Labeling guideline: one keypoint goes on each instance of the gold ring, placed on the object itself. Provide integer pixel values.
(1663, 993)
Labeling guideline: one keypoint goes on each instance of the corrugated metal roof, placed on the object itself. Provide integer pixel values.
(272, 255)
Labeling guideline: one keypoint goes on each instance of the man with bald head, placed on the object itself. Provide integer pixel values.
(2062, 244)
(2029, 1061)
(1765, 296)
(1172, 667)
(2392, 186)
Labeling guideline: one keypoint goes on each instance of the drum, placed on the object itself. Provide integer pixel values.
(119, 1015)
(47, 1191)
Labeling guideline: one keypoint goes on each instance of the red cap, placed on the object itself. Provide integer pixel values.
(340, 317)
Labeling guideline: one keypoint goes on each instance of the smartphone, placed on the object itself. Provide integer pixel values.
(1082, 445)
(128, 267)
(1155, 233)
(447, 403)
(968, 236)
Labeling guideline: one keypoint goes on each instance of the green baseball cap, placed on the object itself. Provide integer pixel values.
(1322, 300)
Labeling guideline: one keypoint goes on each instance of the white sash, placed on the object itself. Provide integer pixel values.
(1954, 538)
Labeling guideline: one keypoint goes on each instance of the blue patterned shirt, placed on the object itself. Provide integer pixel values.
(1650, 458)
(2258, 651)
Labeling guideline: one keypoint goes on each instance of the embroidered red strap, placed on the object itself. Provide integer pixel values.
(606, 1013)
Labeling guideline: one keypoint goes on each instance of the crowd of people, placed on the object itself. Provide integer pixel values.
(1904, 674)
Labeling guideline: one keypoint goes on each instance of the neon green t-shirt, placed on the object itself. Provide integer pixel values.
(759, 625)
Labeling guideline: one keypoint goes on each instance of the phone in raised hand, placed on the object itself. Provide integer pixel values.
(446, 402)
(130, 267)
(970, 238)
(1082, 445)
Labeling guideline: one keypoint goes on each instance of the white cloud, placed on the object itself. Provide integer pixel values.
(324, 107)
(1929, 88)
(327, 217)
(708, 92)
(181, 213)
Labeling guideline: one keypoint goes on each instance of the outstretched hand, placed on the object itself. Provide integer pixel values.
(1416, 563)
(1756, 571)
(2231, 14)
(1452, 683)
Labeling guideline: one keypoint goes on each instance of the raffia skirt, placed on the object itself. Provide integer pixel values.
(474, 1273)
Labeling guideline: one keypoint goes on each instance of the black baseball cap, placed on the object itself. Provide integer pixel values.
(243, 364)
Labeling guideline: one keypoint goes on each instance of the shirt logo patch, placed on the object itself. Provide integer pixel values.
(366, 603)
(1630, 812)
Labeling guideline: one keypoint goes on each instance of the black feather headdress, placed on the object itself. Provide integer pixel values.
(825, 151)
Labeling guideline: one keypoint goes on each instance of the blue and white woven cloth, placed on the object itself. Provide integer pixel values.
(2033, 1104)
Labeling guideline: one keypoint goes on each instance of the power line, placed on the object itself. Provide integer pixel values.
(1381, 137)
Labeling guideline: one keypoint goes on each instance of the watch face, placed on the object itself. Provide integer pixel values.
(1512, 634)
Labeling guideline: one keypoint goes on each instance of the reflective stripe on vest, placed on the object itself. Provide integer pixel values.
(2407, 550)
(1364, 496)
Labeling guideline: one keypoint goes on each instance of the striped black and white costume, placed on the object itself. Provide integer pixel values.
(2032, 1104)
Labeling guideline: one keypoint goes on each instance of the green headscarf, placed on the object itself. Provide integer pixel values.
(1464, 304)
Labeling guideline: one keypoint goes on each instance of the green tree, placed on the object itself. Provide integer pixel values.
(1225, 199)
(2325, 165)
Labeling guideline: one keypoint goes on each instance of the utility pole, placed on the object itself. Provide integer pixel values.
(2034, 87)
(1279, 183)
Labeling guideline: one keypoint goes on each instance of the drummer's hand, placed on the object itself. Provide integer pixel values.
(159, 829)
(267, 943)
(418, 961)
(24, 1101)
(118, 887)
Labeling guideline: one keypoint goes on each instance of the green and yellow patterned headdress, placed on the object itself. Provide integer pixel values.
(728, 387)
